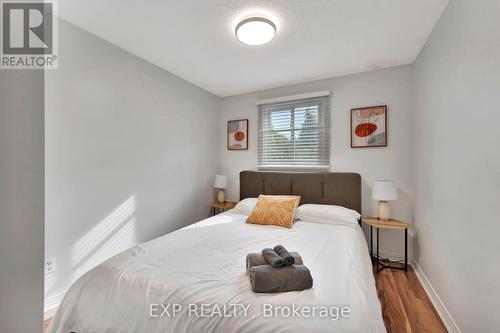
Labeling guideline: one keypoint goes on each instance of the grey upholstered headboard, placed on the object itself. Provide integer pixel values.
(330, 188)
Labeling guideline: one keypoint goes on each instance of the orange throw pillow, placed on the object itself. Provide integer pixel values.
(276, 210)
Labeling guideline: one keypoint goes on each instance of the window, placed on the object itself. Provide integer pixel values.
(295, 134)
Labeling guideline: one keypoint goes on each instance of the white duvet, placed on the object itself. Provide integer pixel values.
(194, 280)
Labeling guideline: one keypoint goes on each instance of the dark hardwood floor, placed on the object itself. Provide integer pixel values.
(405, 305)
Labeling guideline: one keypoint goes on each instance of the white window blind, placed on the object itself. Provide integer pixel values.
(295, 134)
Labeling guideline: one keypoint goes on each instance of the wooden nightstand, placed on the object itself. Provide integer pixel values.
(391, 224)
(222, 207)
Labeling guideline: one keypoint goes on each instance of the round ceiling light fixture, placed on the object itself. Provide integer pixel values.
(255, 31)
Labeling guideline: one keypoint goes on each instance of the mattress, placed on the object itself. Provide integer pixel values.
(194, 280)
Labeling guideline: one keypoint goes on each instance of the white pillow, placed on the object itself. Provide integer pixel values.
(328, 214)
(245, 206)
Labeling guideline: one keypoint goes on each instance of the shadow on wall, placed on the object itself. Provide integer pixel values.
(112, 235)
(416, 248)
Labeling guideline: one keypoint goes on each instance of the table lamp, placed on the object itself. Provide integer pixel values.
(384, 191)
(221, 184)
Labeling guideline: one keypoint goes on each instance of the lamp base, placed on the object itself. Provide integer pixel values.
(221, 196)
(383, 211)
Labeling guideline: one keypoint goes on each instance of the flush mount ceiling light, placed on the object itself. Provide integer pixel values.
(255, 31)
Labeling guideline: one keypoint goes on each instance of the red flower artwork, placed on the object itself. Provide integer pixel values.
(239, 136)
(365, 129)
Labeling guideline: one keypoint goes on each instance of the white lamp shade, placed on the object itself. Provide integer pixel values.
(384, 190)
(220, 181)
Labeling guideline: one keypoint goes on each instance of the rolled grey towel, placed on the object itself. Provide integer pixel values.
(288, 259)
(272, 258)
(257, 259)
(266, 279)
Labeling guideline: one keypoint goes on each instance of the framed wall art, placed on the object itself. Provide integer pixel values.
(369, 127)
(237, 134)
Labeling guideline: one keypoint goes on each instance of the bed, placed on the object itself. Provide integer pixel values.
(194, 279)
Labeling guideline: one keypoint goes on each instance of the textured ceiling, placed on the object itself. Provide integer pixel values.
(194, 39)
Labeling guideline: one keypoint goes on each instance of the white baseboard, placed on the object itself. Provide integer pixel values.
(53, 302)
(446, 317)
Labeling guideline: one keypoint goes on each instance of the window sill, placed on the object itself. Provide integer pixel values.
(294, 167)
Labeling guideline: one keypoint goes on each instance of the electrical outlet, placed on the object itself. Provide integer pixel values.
(50, 265)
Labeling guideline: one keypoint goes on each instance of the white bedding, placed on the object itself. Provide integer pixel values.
(205, 264)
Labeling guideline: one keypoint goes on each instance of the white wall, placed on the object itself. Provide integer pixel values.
(457, 162)
(21, 200)
(389, 86)
(126, 154)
